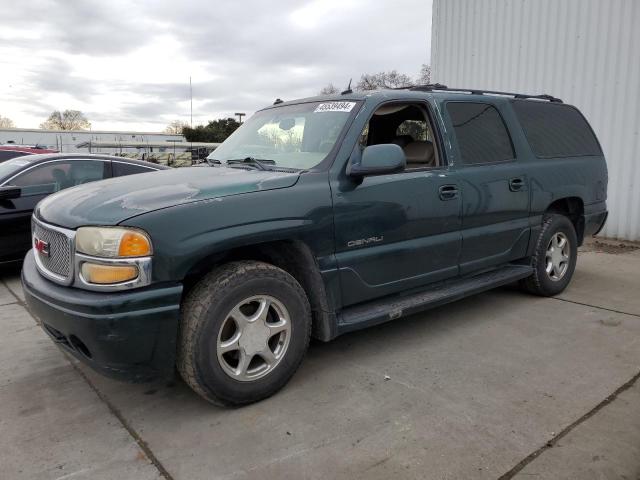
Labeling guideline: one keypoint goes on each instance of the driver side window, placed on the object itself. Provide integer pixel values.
(406, 125)
(55, 176)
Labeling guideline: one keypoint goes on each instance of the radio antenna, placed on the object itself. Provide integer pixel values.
(348, 90)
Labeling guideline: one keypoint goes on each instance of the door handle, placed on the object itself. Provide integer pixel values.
(516, 184)
(448, 192)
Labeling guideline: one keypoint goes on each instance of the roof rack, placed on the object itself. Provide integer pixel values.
(430, 87)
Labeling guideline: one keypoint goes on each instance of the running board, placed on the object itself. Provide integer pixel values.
(391, 308)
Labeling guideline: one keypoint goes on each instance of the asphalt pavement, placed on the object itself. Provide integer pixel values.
(500, 385)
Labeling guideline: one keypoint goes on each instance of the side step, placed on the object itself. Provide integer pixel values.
(391, 308)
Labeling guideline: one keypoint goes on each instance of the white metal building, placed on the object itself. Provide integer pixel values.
(68, 140)
(587, 52)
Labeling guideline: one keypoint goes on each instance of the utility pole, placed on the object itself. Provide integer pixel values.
(191, 97)
(239, 115)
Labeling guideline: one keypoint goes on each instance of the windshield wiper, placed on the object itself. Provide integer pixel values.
(260, 164)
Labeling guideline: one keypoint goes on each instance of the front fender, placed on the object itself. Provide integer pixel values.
(184, 235)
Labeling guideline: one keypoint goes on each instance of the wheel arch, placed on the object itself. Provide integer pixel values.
(294, 257)
(573, 209)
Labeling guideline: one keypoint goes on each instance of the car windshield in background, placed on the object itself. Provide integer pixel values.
(293, 136)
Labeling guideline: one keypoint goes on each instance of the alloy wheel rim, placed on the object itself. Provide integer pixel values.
(253, 338)
(557, 256)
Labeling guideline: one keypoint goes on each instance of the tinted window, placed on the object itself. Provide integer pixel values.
(555, 130)
(122, 169)
(7, 154)
(481, 133)
(54, 176)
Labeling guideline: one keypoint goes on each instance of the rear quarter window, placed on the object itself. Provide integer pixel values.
(555, 130)
(480, 132)
(121, 169)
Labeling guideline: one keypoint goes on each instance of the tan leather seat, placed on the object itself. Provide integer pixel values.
(402, 140)
(420, 154)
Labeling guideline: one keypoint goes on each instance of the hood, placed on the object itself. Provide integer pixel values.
(109, 202)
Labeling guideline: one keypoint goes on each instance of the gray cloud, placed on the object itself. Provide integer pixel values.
(101, 27)
(56, 76)
(251, 48)
(94, 27)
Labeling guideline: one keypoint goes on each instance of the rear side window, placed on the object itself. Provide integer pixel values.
(556, 130)
(481, 133)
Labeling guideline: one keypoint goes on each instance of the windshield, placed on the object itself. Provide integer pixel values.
(9, 167)
(293, 136)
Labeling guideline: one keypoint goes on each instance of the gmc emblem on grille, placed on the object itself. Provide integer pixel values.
(41, 246)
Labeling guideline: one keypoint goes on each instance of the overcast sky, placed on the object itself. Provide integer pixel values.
(126, 64)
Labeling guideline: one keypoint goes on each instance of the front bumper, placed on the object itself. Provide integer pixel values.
(127, 335)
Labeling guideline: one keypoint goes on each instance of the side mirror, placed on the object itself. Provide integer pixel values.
(379, 160)
(7, 193)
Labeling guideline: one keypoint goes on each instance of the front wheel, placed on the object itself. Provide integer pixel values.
(244, 330)
(554, 259)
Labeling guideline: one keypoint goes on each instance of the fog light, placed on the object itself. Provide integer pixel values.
(106, 274)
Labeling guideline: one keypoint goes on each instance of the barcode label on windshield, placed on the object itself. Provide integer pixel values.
(335, 107)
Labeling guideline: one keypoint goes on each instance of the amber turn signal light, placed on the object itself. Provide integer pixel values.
(108, 274)
(134, 244)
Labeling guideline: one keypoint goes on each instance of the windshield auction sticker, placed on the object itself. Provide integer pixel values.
(335, 107)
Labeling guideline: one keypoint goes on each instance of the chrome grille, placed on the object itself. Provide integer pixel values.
(59, 259)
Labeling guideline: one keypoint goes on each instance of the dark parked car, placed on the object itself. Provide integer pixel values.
(323, 216)
(26, 180)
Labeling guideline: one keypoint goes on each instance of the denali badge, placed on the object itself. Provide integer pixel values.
(41, 247)
(364, 241)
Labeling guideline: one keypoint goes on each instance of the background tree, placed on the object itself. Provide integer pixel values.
(67, 120)
(6, 122)
(214, 131)
(390, 79)
(329, 89)
(425, 75)
(176, 127)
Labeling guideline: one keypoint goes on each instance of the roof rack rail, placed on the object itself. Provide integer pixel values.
(430, 87)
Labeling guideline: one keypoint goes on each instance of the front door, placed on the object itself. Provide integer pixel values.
(396, 232)
(15, 221)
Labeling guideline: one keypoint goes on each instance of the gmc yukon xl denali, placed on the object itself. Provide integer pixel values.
(317, 217)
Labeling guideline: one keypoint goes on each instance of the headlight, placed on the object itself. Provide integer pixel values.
(112, 258)
(112, 242)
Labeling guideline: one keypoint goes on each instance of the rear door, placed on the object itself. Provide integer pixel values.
(495, 186)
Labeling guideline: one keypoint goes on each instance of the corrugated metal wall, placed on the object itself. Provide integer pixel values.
(586, 52)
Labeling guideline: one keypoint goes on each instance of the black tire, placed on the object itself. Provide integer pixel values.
(541, 282)
(204, 310)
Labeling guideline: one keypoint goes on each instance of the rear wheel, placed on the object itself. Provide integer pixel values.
(244, 330)
(554, 259)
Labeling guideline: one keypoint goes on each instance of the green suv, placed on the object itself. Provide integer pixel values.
(317, 217)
